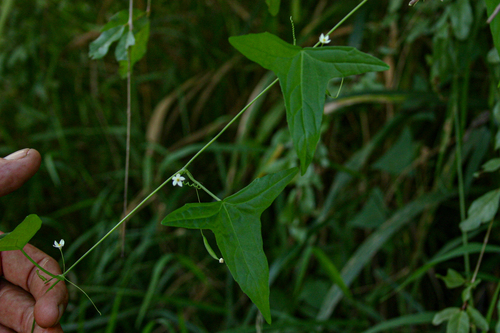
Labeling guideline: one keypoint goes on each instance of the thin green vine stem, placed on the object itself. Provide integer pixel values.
(197, 183)
(483, 248)
(58, 277)
(183, 170)
(118, 224)
(343, 20)
(227, 126)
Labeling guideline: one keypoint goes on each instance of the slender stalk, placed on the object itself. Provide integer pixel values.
(485, 241)
(493, 304)
(118, 224)
(63, 262)
(197, 183)
(458, 159)
(183, 170)
(58, 277)
(129, 120)
(228, 124)
(343, 20)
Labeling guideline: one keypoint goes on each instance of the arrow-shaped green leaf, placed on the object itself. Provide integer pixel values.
(22, 234)
(235, 221)
(274, 6)
(304, 74)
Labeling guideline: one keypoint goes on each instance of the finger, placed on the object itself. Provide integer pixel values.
(4, 329)
(16, 307)
(18, 270)
(17, 168)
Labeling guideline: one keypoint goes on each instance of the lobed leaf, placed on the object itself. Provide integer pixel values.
(235, 221)
(304, 74)
(22, 234)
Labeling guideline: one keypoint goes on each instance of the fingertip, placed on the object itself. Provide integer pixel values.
(47, 313)
(17, 168)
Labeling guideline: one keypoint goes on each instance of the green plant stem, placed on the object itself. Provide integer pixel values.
(493, 304)
(228, 124)
(64, 263)
(129, 121)
(458, 159)
(57, 277)
(343, 20)
(485, 241)
(184, 169)
(118, 224)
(197, 183)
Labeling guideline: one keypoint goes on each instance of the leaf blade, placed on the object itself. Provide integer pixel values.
(235, 221)
(304, 75)
(22, 234)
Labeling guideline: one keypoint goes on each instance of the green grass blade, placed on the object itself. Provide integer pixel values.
(374, 242)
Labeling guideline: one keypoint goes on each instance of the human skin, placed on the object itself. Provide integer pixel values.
(23, 295)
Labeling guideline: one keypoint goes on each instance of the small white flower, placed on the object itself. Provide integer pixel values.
(59, 245)
(221, 261)
(177, 180)
(324, 39)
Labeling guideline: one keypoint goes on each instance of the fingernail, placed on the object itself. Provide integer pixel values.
(18, 154)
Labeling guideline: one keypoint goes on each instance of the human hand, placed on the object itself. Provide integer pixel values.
(23, 295)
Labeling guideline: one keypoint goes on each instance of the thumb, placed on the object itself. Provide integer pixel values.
(17, 168)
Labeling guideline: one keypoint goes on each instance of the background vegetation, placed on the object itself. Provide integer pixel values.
(380, 201)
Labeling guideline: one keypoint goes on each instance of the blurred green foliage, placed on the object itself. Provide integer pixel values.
(387, 151)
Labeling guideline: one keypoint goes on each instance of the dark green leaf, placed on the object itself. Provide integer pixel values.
(477, 318)
(304, 74)
(138, 50)
(400, 156)
(22, 234)
(235, 221)
(374, 212)
(482, 210)
(274, 6)
(444, 315)
(121, 18)
(467, 292)
(453, 279)
(402, 321)
(125, 42)
(461, 18)
(99, 48)
(458, 323)
(492, 165)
